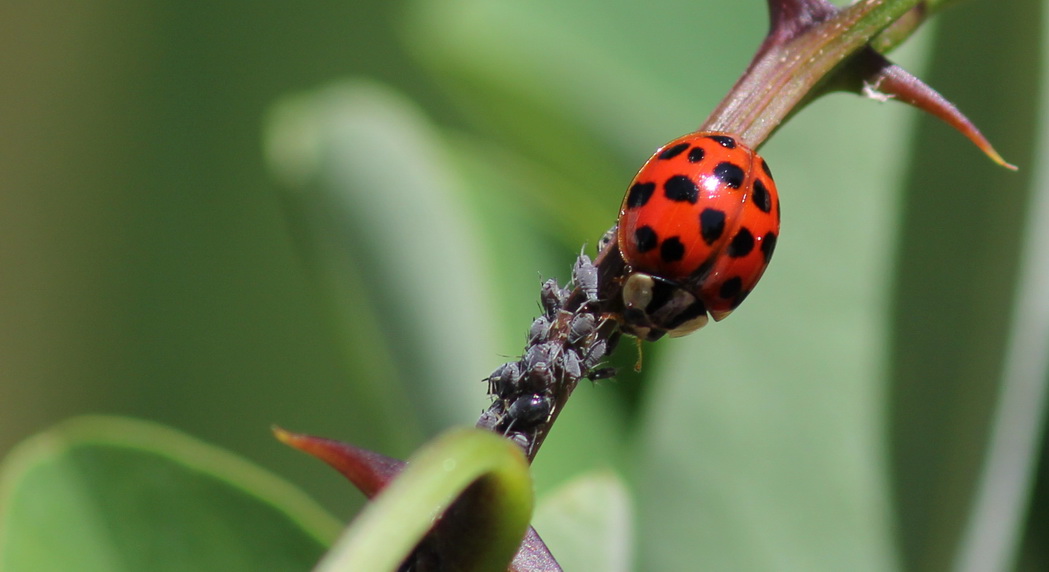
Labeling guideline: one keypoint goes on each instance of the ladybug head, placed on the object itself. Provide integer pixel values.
(654, 307)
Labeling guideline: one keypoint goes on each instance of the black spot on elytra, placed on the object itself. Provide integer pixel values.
(765, 167)
(739, 298)
(680, 188)
(671, 152)
(741, 244)
(725, 141)
(696, 155)
(761, 196)
(768, 245)
(645, 238)
(711, 224)
(639, 194)
(672, 250)
(731, 288)
(729, 173)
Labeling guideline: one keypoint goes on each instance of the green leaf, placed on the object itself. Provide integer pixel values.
(387, 530)
(432, 249)
(964, 431)
(587, 523)
(576, 93)
(385, 215)
(113, 494)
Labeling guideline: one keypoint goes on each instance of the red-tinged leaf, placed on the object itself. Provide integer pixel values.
(371, 472)
(368, 470)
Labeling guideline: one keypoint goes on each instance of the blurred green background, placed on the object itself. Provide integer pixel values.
(335, 216)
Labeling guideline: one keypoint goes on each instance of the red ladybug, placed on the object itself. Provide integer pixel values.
(697, 228)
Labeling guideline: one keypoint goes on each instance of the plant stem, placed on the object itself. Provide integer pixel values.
(807, 42)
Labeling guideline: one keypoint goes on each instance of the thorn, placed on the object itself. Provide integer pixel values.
(882, 80)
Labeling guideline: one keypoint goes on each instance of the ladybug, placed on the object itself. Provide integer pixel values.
(697, 228)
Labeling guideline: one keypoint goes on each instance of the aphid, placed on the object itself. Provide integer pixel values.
(552, 297)
(504, 379)
(539, 330)
(572, 364)
(528, 411)
(581, 326)
(594, 355)
(584, 275)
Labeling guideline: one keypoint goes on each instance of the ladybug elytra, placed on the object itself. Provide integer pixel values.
(697, 229)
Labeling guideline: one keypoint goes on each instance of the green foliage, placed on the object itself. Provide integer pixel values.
(588, 523)
(111, 495)
(842, 418)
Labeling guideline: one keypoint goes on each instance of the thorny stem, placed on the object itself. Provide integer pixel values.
(812, 48)
(565, 344)
(901, 29)
(807, 40)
